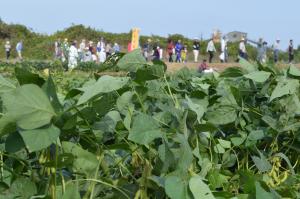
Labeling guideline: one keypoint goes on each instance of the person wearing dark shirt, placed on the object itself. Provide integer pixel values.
(291, 51)
(203, 66)
(170, 50)
(178, 49)
(196, 48)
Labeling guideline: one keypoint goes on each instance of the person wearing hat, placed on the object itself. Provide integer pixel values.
(7, 47)
(242, 49)
(211, 49)
(116, 48)
(276, 46)
(196, 48)
(65, 50)
(73, 56)
(178, 48)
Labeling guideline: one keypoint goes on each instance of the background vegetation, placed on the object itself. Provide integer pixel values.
(40, 47)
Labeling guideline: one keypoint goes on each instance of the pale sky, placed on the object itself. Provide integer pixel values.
(269, 19)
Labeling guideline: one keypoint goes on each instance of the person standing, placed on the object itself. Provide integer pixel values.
(7, 47)
(260, 50)
(19, 49)
(108, 50)
(178, 48)
(101, 53)
(242, 49)
(147, 50)
(291, 51)
(276, 47)
(116, 48)
(73, 55)
(170, 50)
(196, 48)
(184, 53)
(211, 49)
(224, 50)
(156, 55)
(65, 50)
(81, 50)
(129, 47)
(57, 48)
(161, 53)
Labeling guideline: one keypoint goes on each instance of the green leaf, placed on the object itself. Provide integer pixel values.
(29, 106)
(132, 61)
(149, 73)
(104, 84)
(166, 156)
(199, 109)
(7, 125)
(24, 76)
(85, 162)
(247, 65)
(256, 135)
(23, 188)
(144, 129)
(5, 85)
(71, 192)
(124, 101)
(50, 90)
(294, 71)
(232, 72)
(216, 179)
(261, 193)
(176, 188)
(38, 139)
(222, 115)
(261, 163)
(14, 143)
(258, 76)
(285, 87)
(185, 154)
(109, 122)
(225, 144)
(199, 189)
(219, 149)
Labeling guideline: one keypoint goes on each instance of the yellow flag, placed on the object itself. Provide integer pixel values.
(135, 38)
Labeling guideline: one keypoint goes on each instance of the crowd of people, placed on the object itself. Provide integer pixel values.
(74, 52)
(84, 52)
(8, 49)
(177, 52)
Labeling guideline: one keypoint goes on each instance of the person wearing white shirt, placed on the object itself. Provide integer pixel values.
(101, 50)
(73, 55)
(224, 53)
(242, 49)
(276, 47)
(7, 47)
(211, 49)
(81, 50)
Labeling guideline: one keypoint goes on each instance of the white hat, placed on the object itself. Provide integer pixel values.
(242, 39)
(7, 42)
(196, 38)
(278, 39)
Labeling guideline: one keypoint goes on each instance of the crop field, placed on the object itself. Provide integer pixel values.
(149, 132)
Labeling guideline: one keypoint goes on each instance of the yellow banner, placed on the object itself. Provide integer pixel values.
(135, 38)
